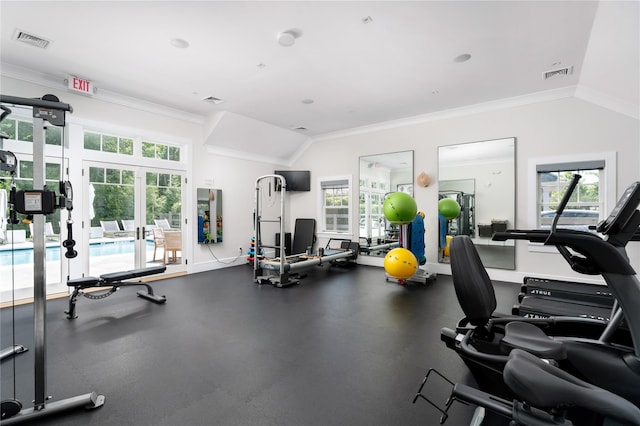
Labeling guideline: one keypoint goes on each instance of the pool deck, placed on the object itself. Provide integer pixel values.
(17, 281)
(28, 245)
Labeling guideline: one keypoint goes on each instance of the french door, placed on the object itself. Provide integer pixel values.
(16, 240)
(136, 217)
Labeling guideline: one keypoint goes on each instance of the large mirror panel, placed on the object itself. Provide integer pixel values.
(209, 221)
(480, 177)
(381, 175)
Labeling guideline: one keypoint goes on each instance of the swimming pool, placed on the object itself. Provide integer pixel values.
(25, 256)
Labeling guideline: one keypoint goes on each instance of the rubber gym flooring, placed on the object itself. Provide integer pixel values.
(345, 347)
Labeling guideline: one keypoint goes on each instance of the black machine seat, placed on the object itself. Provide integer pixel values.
(546, 386)
(528, 337)
(472, 284)
(477, 299)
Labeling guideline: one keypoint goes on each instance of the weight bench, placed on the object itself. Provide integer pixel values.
(115, 280)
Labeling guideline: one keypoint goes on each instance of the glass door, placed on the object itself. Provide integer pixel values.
(135, 218)
(16, 240)
(164, 218)
(113, 196)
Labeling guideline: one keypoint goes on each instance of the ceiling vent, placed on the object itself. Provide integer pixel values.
(562, 72)
(31, 39)
(213, 100)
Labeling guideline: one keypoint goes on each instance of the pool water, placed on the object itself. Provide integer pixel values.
(25, 256)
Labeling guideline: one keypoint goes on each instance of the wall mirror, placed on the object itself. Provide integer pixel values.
(209, 210)
(380, 175)
(480, 176)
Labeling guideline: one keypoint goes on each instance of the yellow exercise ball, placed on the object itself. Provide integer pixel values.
(400, 263)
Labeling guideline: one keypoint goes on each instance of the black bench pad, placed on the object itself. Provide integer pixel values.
(134, 273)
(83, 282)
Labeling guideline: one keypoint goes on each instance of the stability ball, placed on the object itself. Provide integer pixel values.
(400, 263)
(449, 208)
(399, 208)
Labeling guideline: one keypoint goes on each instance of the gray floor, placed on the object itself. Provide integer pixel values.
(343, 348)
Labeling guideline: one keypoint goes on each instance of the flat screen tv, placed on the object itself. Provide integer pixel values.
(297, 180)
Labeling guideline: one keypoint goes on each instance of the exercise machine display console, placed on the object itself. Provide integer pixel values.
(622, 212)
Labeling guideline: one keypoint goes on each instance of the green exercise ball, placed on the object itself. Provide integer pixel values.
(449, 208)
(400, 207)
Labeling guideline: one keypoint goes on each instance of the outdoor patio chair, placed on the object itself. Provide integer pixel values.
(158, 241)
(173, 244)
(128, 225)
(110, 228)
(162, 223)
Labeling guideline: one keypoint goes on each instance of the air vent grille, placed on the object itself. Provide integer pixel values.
(562, 72)
(213, 100)
(31, 39)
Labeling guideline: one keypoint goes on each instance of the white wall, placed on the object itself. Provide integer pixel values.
(237, 179)
(558, 127)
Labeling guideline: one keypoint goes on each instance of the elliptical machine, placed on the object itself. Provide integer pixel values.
(586, 348)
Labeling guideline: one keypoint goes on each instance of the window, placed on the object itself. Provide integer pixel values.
(108, 143)
(161, 151)
(591, 201)
(24, 133)
(121, 145)
(335, 205)
(113, 189)
(585, 206)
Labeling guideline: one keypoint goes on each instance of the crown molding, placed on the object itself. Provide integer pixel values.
(618, 105)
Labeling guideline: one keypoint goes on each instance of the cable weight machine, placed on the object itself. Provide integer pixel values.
(8, 163)
(38, 202)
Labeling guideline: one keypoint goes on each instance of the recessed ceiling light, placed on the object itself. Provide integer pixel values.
(307, 101)
(180, 43)
(462, 58)
(288, 38)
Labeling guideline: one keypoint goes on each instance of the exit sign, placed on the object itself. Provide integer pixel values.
(80, 85)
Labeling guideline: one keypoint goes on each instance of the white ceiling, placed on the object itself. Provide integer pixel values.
(400, 64)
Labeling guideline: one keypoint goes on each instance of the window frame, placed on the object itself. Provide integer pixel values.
(608, 191)
(321, 207)
(137, 147)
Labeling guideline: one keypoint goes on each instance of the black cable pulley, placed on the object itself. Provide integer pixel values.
(70, 243)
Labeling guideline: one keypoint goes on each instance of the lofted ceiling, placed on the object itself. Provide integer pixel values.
(352, 63)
